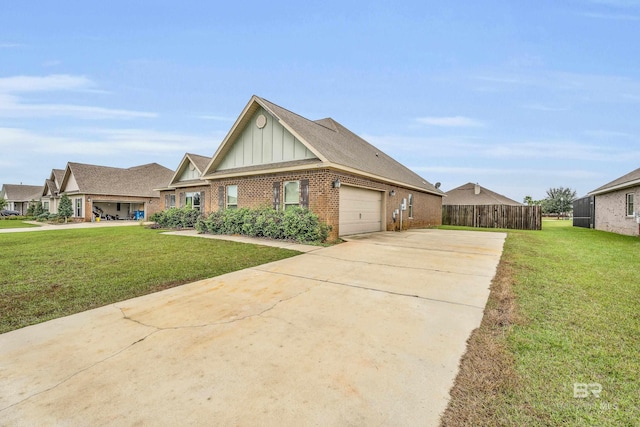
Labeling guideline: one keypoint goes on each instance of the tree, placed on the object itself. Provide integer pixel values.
(65, 209)
(528, 200)
(559, 200)
(3, 202)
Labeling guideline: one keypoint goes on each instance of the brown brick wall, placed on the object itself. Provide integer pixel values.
(324, 200)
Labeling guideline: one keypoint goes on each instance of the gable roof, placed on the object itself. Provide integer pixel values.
(466, 195)
(137, 181)
(50, 186)
(334, 145)
(21, 193)
(198, 161)
(631, 179)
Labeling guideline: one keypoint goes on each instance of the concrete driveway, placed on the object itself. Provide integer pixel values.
(369, 332)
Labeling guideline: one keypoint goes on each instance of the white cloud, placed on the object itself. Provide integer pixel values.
(54, 82)
(612, 16)
(13, 106)
(102, 143)
(6, 45)
(452, 121)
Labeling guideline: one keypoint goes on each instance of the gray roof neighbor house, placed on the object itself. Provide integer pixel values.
(631, 179)
(139, 181)
(474, 194)
(18, 196)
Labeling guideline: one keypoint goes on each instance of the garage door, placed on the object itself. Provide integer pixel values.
(360, 210)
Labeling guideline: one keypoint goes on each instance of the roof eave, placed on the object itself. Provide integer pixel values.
(628, 184)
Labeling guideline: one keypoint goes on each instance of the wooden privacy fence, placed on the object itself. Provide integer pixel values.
(493, 216)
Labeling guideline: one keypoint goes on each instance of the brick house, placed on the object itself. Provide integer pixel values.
(18, 196)
(186, 187)
(274, 157)
(113, 193)
(614, 205)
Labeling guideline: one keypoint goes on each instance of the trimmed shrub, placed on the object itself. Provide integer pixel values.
(296, 224)
(177, 218)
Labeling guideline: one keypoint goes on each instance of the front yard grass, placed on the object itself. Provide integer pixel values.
(14, 223)
(50, 274)
(561, 324)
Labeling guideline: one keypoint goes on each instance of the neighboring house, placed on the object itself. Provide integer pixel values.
(50, 196)
(186, 187)
(19, 196)
(114, 193)
(474, 194)
(274, 157)
(615, 204)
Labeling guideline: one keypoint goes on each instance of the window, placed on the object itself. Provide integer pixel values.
(630, 210)
(118, 207)
(193, 200)
(232, 197)
(172, 200)
(45, 205)
(78, 208)
(291, 194)
(410, 205)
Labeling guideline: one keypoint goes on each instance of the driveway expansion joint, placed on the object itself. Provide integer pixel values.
(351, 285)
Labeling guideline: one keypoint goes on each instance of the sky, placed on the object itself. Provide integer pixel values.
(518, 96)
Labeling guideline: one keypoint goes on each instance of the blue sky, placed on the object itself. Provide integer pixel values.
(517, 96)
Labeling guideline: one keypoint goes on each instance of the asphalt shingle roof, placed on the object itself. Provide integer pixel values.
(630, 178)
(335, 145)
(465, 195)
(22, 193)
(135, 181)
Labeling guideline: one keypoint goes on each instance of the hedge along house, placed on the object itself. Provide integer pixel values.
(615, 206)
(51, 191)
(274, 157)
(186, 187)
(114, 193)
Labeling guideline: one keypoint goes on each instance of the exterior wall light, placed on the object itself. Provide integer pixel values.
(336, 183)
(392, 192)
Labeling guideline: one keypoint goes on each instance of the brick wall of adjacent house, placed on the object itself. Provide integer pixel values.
(611, 212)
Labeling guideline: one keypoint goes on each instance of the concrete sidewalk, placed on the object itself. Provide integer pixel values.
(369, 332)
(69, 226)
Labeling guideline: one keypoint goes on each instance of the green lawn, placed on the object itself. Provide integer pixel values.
(13, 223)
(577, 298)
(50, 274)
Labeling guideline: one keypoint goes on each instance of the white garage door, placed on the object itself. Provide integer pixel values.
(360, 210)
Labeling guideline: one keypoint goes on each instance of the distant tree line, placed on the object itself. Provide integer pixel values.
(559, 201)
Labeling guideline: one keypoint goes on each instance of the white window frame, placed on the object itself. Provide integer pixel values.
(190, 198)
(45, 206)
(78, 207)
(410, 203)
(228, 203)
(172, 200)
(287, 204)
(629, 204)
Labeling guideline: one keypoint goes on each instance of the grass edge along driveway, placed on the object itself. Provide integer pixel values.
(560, 338)
(51, 274)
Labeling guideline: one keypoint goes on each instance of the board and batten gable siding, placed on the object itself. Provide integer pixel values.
(271, 144)
(189, 173)
(610, 211)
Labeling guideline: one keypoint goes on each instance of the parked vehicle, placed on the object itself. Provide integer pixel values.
(8, 212)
